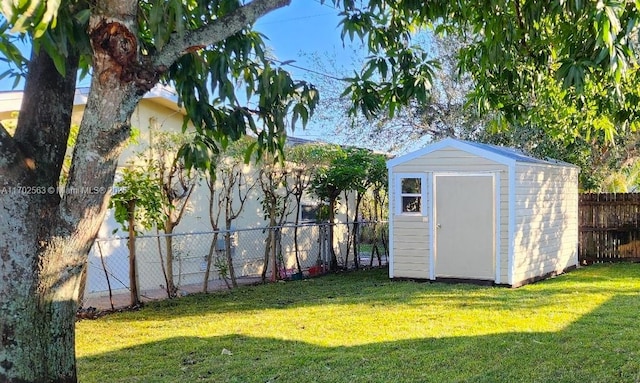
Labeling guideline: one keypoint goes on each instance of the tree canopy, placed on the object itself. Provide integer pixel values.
(523, 56)
(555, 78)
(526, 53)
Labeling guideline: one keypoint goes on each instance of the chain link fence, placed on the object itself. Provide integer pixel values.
(206, 261)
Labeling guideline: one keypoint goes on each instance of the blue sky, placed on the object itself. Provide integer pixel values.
(294, 32)
(304, 28)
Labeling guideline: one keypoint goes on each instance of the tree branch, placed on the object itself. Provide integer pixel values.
(10, 157)
(217, 31)
(521, 25)
(43, 125)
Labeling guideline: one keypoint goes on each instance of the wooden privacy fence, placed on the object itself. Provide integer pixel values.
(609, 227)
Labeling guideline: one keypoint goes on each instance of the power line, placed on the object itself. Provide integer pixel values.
(289, 63)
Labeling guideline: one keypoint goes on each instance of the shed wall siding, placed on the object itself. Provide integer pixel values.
(546, 218)
(411, 234)
(504, 226)
(411, 248)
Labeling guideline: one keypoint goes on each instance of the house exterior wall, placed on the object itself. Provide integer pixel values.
(158, 111)
(412, 242)
(249, 246)
(190, 250)
(545, 236)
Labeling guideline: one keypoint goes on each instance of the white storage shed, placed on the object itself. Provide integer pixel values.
(462, 210)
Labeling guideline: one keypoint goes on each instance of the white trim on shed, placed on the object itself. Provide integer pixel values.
(539, 196)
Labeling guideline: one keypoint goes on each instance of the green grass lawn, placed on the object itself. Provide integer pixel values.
(583, 326)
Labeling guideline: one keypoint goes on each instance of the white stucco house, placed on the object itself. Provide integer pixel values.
(159, 111)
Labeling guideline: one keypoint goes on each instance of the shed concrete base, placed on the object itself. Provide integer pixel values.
(483, 282)
(545, 276)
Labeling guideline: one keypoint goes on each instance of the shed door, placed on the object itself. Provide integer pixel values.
(464, 216)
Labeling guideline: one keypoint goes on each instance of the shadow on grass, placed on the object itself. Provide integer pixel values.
(603, 346)
(373, 287)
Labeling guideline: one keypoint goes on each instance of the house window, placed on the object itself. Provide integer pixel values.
(410, 200)
(308, 213)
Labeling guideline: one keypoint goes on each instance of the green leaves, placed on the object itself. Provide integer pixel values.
(138, 189)
(347, 169)
(11, 54)
(520, 53)
(228, 89)
(572, 73)
(396, 72)
(526, 49)
(34, 16)
(274, 100)
(59, 29)
(201, 153)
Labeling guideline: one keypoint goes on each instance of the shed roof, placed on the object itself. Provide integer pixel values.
(500, 154)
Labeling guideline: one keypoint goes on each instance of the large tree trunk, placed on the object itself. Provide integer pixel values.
(45, 237)
(40, 265)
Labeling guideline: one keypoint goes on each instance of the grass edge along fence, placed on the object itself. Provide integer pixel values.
(609, 228)
(299, 251)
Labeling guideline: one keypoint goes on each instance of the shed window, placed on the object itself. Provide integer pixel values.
(411, 194)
